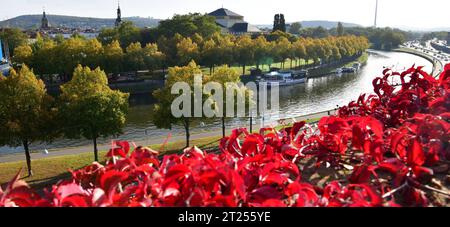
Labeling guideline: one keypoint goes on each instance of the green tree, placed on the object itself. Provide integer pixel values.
(14, 37)
(320, 32)
(89, 108)
(169, 47)
(188, 25)
(340, 29)
(127, 33)
(44, 56)
(295, 28)
(25, 111)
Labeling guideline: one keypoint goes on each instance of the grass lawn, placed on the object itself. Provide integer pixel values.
(49, 171)
(264, 68)
(362, 59)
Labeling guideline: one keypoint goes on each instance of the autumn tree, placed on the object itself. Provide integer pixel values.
(164, 117)
(26, 112)
(187, 51)
(229, 80)
(225, 48)
(89, 108)
(134, 57)
(93, 51)
(282, 50)
(245, 51)
(153, 58)
(299, 49)
(262, 50)
(113, 57)
(23, 55)
(210, 54)
(44, 56)
(70, 54)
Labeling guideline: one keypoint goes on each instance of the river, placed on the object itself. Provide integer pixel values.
(318, 94)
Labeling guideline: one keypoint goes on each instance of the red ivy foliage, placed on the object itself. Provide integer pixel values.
(401, 132)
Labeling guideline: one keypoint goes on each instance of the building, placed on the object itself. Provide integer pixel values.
(233, 23)
(44, 22)
(448, 39)
(119, 16)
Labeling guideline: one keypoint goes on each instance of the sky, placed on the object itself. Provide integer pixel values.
(423, 14)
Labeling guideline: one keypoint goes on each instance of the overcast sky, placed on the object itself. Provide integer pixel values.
(394, 13)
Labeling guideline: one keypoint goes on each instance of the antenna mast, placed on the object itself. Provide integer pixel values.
(376, 14)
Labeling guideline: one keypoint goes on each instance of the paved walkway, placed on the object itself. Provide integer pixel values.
(438, 65)
(103, 147)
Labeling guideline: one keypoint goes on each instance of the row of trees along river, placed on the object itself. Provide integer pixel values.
(318, 94)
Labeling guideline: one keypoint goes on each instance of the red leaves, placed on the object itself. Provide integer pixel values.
(356, 195)
(18, 194)
(119, 148)
(400, 132)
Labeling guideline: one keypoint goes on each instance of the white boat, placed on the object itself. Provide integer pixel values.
(338, 71)
(282, 79)
(348, 70)
(357, 66)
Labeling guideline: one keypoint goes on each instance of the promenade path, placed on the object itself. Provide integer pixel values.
(175, 138)
(438, 65)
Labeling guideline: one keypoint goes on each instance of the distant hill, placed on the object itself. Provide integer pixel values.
(317, 23)
(34, 21)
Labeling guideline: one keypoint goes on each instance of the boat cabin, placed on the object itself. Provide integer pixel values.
(278, 76)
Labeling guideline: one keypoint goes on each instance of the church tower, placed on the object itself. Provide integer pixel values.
(44, 22)
(119, 16)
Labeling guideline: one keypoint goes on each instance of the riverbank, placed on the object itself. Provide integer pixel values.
(331, 69)
(52, 167)
(438, 66)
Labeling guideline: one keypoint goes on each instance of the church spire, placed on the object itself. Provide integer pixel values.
(44, 20)
(119, 15)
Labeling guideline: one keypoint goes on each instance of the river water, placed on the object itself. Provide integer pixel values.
(318, 94)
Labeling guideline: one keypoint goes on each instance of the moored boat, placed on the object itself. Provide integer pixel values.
(286, 78)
